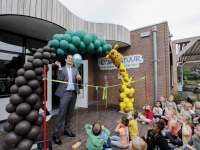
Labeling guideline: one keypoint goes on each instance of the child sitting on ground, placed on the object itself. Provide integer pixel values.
(194, 142)
(94, 141)
(196, 109)
(174, 110)
(187, 110)
(171, 99)
(181, 105)
(148, 113)
(132, 126)
(137, 143)
(153, 140)
(184, 133)
(158, 127)
(121, 141)
(163, 100)
(157, 112)
(171, 123)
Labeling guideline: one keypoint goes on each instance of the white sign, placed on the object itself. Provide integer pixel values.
(131, 61)
(144, 34)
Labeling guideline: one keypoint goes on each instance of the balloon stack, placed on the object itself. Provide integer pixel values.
(24, 121)
(79, 42)
(126, 91)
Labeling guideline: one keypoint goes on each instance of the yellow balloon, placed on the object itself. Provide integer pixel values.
(122, 95)
(123, 86)
(126, 90)
(131, 108)
(123, 73)
(126, 100)
(129, 105)
(132, 100)
(132, 90)
(122, 105)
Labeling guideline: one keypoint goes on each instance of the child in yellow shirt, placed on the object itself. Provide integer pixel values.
(132, 126)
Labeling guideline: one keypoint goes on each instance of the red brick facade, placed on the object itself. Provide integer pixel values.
(143, 46)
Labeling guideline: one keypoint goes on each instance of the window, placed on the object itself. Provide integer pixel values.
(9, 65)
(10, 42)
(32, 45)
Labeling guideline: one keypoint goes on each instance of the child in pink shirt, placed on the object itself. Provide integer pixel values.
(121, 141)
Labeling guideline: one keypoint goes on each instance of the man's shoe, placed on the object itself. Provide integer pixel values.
(57, 140)
(69, 133)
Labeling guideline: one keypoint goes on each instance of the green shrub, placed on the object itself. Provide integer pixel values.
(178, 98)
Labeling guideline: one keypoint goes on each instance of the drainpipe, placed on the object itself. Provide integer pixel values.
(154, 30)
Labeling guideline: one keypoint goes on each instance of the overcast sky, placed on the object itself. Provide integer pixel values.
(183, 16)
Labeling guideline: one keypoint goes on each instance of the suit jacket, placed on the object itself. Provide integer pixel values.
(63, 76)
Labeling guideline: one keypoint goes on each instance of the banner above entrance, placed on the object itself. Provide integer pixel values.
(131, 61)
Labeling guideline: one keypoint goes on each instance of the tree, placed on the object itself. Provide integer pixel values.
(186, 72)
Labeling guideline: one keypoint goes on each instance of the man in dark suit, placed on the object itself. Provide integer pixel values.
(68, 95)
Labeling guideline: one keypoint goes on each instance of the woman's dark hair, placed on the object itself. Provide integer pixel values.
(161, 124)
(153, 140)
(160, 103)
(125, 121)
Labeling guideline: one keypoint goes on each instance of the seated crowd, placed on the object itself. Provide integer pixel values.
(174, 127)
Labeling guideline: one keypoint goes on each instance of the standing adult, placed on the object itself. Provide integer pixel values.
(68, 95)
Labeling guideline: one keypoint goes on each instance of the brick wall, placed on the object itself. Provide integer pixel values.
(143, 46)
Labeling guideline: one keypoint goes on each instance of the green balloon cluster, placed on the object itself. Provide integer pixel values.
(79, 42)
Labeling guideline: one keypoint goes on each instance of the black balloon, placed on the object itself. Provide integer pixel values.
(22, 127)
(19, 81)
(25, 90)
(37, 105)
(40, 137)
(32, 99)
(45, 61)
(14, 89)
(34, 83)
(46, 55)
(21, 72)
(28, 66)
(30, 74)
(38, 91)
(39, 70)
(23, 109)
(8, 127)
(37, 63)
(12, 139)
(39, 121)
(40, 50)
(46, 49)
(30, 59)
(39, 78)
(25, 144)
(10, 108)
(34, 132)
(37, 55)
(53, 55)
(14, 118)
(7, 147)
(32, 116)
(53, 49)
(16, 99)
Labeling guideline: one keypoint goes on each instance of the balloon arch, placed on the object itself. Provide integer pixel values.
(23, 125)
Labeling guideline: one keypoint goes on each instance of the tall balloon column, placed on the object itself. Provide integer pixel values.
(126, 91)
(24, 121)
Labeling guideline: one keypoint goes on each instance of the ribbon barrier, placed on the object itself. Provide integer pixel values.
(104, 88)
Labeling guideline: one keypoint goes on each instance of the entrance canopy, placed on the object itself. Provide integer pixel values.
(188, 51)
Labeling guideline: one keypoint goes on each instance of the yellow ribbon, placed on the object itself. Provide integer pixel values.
(105, 94)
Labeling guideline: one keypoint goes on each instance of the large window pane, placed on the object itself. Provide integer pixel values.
(10, 42)
(32, 45)
(9, 65)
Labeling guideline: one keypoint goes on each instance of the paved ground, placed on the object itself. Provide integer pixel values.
(107, 117)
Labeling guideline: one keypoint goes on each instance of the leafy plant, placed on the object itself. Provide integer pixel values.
(178, 97)
(186, 72)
